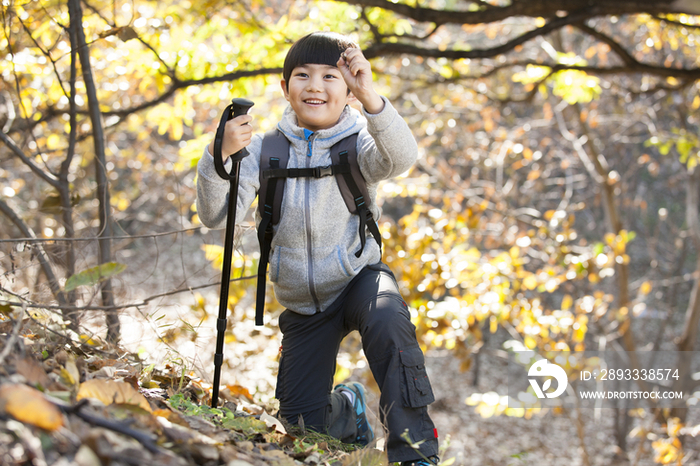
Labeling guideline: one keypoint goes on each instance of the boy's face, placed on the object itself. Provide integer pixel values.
(318, 94)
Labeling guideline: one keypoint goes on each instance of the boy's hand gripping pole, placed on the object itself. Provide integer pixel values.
(237, 107)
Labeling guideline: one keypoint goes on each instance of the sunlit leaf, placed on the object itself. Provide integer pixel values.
(70, 374)
(215, 254)
(247, 425)
(109, 391)
(94, 275)
(530, 282)
(567, 302)
(29, 405)
(238, 390)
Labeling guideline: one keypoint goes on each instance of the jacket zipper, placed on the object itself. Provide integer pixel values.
(307, 215)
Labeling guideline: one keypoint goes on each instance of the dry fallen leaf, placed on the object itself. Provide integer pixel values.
(29, 405)
(171, 416)
(123, 32)
(238, 390)
(109, 392)
(70, 373)
(273, 422)
(32, 371)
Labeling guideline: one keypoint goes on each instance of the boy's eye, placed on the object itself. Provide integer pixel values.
(330, 76)
(301, 75)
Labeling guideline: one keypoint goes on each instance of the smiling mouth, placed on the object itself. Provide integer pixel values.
(314, 102)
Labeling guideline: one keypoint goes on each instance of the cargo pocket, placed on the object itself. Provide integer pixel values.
(416, 389)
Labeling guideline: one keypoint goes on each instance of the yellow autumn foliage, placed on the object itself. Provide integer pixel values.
(30, 406)
(111, 392)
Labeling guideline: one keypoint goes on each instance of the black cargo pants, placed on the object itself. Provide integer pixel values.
(371, 304)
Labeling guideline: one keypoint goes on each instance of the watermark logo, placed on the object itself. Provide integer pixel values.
(544, 368)
(601, 379)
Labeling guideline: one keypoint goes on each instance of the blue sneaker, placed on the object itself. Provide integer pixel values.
(430, 461)
(365, 434)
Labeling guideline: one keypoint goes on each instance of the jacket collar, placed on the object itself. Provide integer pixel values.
(350, 122)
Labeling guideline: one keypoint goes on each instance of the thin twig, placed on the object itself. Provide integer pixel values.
(13, 337)
(50, 178)
(8, 212)
(47, 54)
(113, 24)
(142, 303)
(83, 346)
(143, 438)
(95, 238)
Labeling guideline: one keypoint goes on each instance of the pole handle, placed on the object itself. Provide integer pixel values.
(238, 106)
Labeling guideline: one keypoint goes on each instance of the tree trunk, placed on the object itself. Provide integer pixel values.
(64, 185)
(599, 170)
(686, 342)
(105, 254)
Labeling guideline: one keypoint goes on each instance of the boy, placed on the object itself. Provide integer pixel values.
(329, 282)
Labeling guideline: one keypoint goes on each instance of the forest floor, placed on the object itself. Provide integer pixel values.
(81, 402)
(146, 402)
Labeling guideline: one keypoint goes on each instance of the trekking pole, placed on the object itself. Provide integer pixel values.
(237, 107)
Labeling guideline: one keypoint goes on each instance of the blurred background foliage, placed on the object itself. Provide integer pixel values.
(554, 204)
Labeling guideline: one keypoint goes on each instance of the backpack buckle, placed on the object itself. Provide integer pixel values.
(320, 172)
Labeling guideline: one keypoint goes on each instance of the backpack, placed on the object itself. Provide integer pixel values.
(274, 156)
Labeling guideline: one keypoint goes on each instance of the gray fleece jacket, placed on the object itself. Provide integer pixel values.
(313, 249)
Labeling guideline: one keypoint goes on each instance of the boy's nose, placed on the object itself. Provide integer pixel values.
(314, 85)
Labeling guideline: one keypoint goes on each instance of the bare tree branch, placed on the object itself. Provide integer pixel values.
(688, 74)
(176, 85)
(10, 343)
(182, 84)
(41, 255)
(677, 23)
(171, 71)
(96, 238)
(385, 48)
(64, 188)
(567, 13)
(137, 304)
(624, 55)
(48, 177)
(47, 55)
(530, 8)
(103, 195)
(692, 316)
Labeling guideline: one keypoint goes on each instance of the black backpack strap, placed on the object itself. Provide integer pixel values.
(274, 155)
(353, 187)
(274, 146)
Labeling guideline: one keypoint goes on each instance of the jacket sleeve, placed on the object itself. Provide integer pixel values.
(389, 149)
(213, 191)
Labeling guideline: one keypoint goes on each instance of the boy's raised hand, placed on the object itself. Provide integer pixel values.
(357, 73)
(237, 135)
